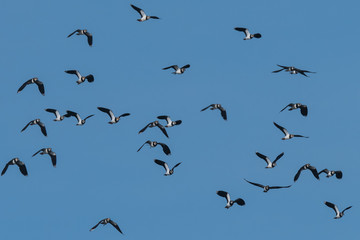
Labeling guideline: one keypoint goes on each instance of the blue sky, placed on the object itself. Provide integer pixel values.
(100, 174)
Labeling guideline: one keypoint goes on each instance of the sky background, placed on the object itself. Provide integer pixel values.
(99, 173)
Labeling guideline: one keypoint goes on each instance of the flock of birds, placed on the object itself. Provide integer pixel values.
(170, 123)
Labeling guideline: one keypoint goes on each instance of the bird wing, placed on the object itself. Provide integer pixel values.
(40, 87)
(143, 129)
(22, 167)
(224, 194)
(42, 127)
(162, 128)
(240, 201)
(304, 110)
(54, 111)
(115, 225)
(333, 206)
(256, 184)
(78, 30)
(290, 104)
(267, 160)
(24, 85)
(89, 38)
(165, 148)
(297, 175)
(186, 66)
(281, 128)
(74, 114)
(314, 172)
(278, 157)
(5, 168)
(38, 151)
(324, 171)
(346, 209)
(124, 115)
(223, 113)
(108, 111)
(211, 105)
(139, 10)
(147, 142)
(240, 29)
(338, 174)
(162, 163)
(95, 226)
(277, 187)
(89, 116)
(74, 72)
(296, 135)
(175, 67)
(90, 78)
(164, 117)
(176, 165)
(53, 158)
(26, 126)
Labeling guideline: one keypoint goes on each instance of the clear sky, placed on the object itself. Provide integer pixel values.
(100, 174)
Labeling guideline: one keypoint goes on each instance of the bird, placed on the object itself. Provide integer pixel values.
(83, 32)
(307, 167)
(248, 36)
(19, 163)
(217, 106)
(81, 79)
(287, 135)
(292, 70)
(155, 124)
(338, 174)
(39, 123)
(177, 69)
(49, 152)
(57, 114)
(112, 116)
(31, 81)
(170, 123)
(292, 106)
(267, 160)
(106, 221)
(143, 15)
(267, 187)
(230, 202)
(167, 169)
(165, 148)
(338, 213)
(74, 114)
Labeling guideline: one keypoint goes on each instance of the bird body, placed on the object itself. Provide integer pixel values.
(266, 188)
(338, 174)
(83, 32)
(267, 160)
(248, 35)
(81, 79)
(286, 133)
(336, 209)
(217, 106)
(166, 167)
(106, 221)
(155, 124)
(177, 69)
(229, 202)
(20, 164)
(293, 106)
(292, 70)
(307, 167)
(32, 81)
(49, 152)
(143, 16)
(169, 122)
(36, 122)
(152, 144)
(77, 116)
(58, 117)
(113, 119)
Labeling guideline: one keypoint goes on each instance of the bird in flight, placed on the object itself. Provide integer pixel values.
(19, 163)
(57, 114)
(177, 69)
(217, 106)
(106, 221)
(292, 106)
(166, 167)
(83, 32)
(152, 144)
(49, 152)
(335, 208)
(81, 79)
(112, 116)
(31, 81)
(248, 36)
(155, 124)
(267, 187)
(292, 70)
(267, 160)
(338, 174)
(169, 122)
(287, 134)
(77, 116)
(143, 15)
(230, 202)
(39, 123)
(307, 167)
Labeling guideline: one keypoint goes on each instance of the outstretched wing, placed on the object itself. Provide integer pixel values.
(224, 194)
(333, 206)
(26, 126)
(314, 172)
(223, 113)
(163, 164)
(175, 67)
(176, 165)
(147, 142)
(108, 111)
(304, 110)
(95, 226)
(38, 152)
(165, 148)
(278, 157)
(139, 10)
(24, 85)
(42, 127)
(76, 72)
(22, 167)
(40, 87)
(5, 168)
(90, 78)
(281, 128)
(143, 129)
(53, 158)
(290, 104)
(115, 225)
(89, 38)
(240, 201)
(255, 184)
(277, 187)
(211, 105)
(77, 30)
(297, 175)
(162, 128)
(267, 160)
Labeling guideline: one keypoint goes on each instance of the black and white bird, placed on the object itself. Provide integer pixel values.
(143, 15)
(106, 221)
(217, 106)
(336, 209)
(112, 116)
(167, 169)
(267, 187)
(307, 167)
(49, 152)
(77, 116)
(58, 117)
(170, 123)
(267, 160)
(35, 80)
(155, 124)
(248, 35)
(230, 202)
(287, 134)
(292, 70)
(19, 163)
(83, 32)
(338, 174)
(152, 144)
(36, 122)
(177, 69)
(81, 79)
(292, 106)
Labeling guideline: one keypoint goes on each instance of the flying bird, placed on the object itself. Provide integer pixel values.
(307, 167)
(167, 169)
(177, 69)
(19, 163)
(83, 32)
(292, 70)
(267, 187)
(230, 202)
(267, 160)
(152, 144)
(112, 116)
(36, 122)
(155, 124)
(338, 174)
(170, 123)
(81, 79)
(217, 106)
(77, 116)
(143, 15)
(338, 213)
(56, 113)
(106, 221)
(35, 80)
(248, 36)
(292, 106)
(49, 152)
(287, 134)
